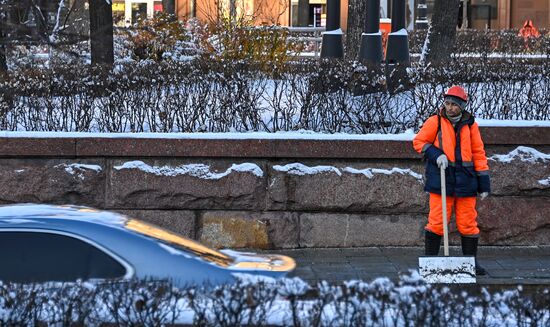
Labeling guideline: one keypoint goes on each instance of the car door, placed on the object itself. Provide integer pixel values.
(41, 256)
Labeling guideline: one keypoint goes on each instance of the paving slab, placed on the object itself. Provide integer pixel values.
(505, 265)
(520, 263)
(377, 268)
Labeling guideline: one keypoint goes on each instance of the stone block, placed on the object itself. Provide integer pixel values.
(175, 184)
(519, 178)
(26, 147)
(353, 230)
(56, 181)
(376, 188)
(259, 230)
(174, 147)
(514, 220)
(179, 221)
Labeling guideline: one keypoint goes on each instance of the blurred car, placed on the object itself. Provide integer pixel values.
(42, 243)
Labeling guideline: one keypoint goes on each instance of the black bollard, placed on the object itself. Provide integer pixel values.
(371, 41)
(332, 46)
(397, 51)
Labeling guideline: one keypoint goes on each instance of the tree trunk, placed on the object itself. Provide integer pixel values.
(357, 13)
(101, 32)
(169, 6)
(233, 10)
(3, 59)
(441, 38)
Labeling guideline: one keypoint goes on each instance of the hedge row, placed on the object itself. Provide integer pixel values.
(221, 96)
(260, 302)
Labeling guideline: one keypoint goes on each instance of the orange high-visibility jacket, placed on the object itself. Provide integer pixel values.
(468, 172)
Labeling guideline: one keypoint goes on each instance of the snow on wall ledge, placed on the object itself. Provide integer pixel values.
(301, 170)
(523, 153)
(78, 170)
(196, 170)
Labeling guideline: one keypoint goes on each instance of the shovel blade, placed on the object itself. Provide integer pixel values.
(447, 270)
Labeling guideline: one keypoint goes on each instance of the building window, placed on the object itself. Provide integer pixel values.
(118, 13)
(315, 16)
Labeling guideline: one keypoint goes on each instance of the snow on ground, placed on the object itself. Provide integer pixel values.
(523, 153)
(195, 170)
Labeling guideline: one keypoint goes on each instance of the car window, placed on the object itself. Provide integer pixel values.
(179, 241)
(40, 257)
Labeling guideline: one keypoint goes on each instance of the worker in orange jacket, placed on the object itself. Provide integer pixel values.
(451, 139)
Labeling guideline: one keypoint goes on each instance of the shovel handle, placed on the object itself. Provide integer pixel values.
(444, 211)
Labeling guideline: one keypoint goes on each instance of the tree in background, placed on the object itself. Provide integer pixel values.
(55, 25)
(357, 12)
(24, 22)
(3, 61)
(441, 37)
(169, 6)
(101, 32)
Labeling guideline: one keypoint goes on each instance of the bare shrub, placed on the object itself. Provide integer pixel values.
(260, 301)
(240, 96)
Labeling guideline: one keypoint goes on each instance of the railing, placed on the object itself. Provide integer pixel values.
(311, 36)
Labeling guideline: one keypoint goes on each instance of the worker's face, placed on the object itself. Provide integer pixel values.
(451, 108)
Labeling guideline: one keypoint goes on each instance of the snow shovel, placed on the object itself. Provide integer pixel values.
(446, 269)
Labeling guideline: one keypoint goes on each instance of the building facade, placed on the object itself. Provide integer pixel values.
(126, 12)
(476, 14)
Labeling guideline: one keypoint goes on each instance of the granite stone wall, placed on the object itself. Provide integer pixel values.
(268, 193)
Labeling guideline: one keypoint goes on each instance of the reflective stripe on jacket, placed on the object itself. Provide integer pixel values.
(468, 172)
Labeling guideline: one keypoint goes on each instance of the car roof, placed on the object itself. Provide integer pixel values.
(122, 236)
(22, 214)
(103, 227)
(109, 231)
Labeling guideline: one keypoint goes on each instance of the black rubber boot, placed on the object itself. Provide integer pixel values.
(469, 247)
(432, 242)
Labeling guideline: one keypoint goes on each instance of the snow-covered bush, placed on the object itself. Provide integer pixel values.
(220, 96)
(236, 39)
(254, 301)
(487, 42)
(137, 303)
